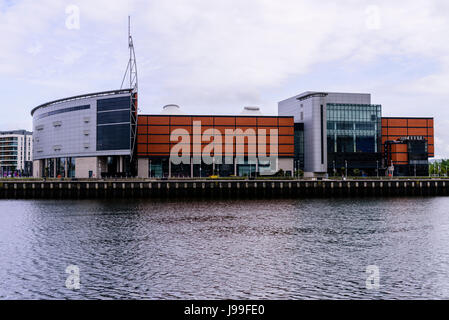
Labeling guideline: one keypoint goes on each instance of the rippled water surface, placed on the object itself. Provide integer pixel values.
(246, 249)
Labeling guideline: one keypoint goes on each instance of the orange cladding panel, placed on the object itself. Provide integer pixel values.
(159, 129)
(205, 121)
(399, 148)
(156, 120)
(267, 122)
(285, 140)
(402, 132)
(142, 148)
(289, 149)
(397, 122)
(142, 120)
(224, 121)
(178, 120)
(141, 138)
(400, 157)
(159, 148)
(417, 123)
(142, 129)
(286, 122)
(286, 131)
(159, 139)
(417, 131)
(181, 129)
(246, 121)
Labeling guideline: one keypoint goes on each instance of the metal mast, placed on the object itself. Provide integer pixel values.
(131, 69)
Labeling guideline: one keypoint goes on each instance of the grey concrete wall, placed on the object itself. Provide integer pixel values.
(84, 165)
(309, 112)
(286, 164)
(37, 168)
(143, 168)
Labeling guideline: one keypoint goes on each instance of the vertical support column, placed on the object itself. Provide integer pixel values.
(54, 167)
(66, 168)
(191, 167)
(235, 166)
(45, 165)
(169, 168)
(121, 164)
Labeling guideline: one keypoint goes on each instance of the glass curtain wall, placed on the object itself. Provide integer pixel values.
(354, 128)
(299, 146)
(354, 135)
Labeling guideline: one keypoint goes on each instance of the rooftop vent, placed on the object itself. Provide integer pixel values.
(172, 109)
(251, 111)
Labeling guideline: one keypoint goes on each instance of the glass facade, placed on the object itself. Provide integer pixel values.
(353, 128)
(114, 124)
(354, 136)
(71, 109)
(299, 146)
(8, 155)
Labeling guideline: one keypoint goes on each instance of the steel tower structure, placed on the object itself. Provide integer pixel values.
(131, 70)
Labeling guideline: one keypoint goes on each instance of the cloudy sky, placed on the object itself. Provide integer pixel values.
(216, 56)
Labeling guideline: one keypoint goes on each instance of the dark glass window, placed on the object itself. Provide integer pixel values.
(114, 137)
(113, 117)
(71, 109)
(345, 126)
(365, 144)
(299, 144)
(364, 126)
(345, 144)
(330, 144)
(113, 104)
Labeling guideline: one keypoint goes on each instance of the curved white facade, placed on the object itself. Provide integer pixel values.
(83, 128)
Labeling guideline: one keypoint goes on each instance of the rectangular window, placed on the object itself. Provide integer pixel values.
(114, 137)
(113, 117)
(71, 109)
(113, 104)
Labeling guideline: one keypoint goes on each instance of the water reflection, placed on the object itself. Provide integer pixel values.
(274, 249)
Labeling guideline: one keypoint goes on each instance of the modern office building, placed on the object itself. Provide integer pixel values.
(86, 136)
(408, 145)
(16, 149)
(344, 133)
(341, 130)
(246, 151)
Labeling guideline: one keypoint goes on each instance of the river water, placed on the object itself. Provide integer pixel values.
(245, 249)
